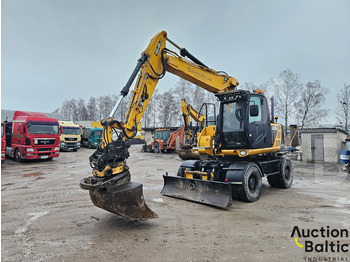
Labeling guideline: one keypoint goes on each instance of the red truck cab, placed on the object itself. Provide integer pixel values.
(3, 142)
(32, 135)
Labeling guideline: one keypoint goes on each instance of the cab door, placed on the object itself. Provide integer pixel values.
(259, 122)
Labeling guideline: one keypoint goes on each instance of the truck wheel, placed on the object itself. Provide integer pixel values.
(149, 148)
(251, 188)
(89, 145)
(285, 178)
(18, 155)
(156, 147)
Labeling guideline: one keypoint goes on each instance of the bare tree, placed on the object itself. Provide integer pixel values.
(250, 86)
(57, 110)
(167, 108)
(105, 105)
(198, 97)
(69, 110)
(74, 112)
(150, 115)
(91, 108)
(310, 109)
(344, 105)
(82, 111)
(66, 110)
(183, 90)
(286, 92)
(123, 107)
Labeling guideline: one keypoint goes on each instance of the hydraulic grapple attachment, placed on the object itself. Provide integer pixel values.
(119, 196)
(213, 193)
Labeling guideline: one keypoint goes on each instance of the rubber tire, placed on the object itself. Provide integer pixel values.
(89, 145)
(149, 148)
(190, 165)
(156, 147)
(18, 155)
(285, 178)
(250, 190)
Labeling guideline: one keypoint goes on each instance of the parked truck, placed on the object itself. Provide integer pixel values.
(32, 135)
(91, 136)
(70, 136)
(3, 142)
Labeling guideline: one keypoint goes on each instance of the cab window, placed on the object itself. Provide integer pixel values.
(255, 100)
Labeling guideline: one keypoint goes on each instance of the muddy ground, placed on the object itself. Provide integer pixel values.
(45, 216)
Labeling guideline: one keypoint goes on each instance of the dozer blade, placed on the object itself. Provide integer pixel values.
(125, 200)
(212, 193)
(187, 154)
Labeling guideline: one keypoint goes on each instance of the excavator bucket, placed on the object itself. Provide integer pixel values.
(212, 193)
(187, 154)
(123, 199)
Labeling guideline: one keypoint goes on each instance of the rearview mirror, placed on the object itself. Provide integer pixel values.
(254, 110)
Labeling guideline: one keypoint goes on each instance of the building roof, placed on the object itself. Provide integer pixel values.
(323, 130)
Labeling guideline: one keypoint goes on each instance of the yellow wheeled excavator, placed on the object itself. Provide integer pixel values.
(235, 153)
(192, 131)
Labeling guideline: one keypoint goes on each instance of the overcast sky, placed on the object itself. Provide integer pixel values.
(54, 50)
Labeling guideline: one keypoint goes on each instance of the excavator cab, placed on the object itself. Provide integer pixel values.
(162, 134)
(244, 121)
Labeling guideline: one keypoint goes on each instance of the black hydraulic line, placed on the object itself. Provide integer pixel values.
(184, 53)
(139, 64)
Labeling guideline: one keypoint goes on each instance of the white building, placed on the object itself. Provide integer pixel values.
(322, 144)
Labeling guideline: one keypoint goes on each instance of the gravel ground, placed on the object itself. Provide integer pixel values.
(47, 217)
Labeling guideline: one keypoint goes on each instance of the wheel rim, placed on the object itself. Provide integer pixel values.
(252, 184)
(287, 173)
(18, 155)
